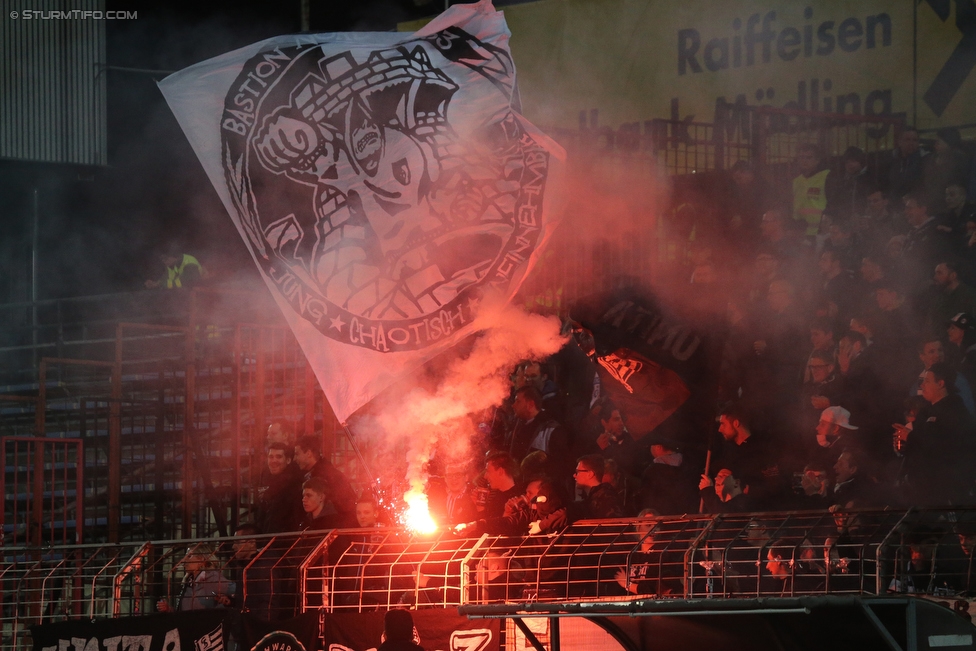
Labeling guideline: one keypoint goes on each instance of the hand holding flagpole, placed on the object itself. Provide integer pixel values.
(708, 462)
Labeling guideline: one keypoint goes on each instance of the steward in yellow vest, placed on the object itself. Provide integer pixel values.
(182, 270)
(809, 188)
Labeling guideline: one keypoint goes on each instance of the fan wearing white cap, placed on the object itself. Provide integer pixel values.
(834, 423)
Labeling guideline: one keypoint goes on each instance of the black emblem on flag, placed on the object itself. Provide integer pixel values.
(278, 641)
(373, 202)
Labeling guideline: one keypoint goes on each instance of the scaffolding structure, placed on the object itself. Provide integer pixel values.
(165, 419)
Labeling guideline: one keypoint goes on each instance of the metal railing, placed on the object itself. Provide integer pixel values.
(763, 135)
(44, 489)
(780, 131)
(56, 583)
(861, 552)
(725, 556)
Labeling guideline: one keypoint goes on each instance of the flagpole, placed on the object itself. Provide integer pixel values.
(708, 462)
(359, 453)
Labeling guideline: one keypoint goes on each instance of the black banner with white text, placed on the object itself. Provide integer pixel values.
(201, 630)
(434, 630)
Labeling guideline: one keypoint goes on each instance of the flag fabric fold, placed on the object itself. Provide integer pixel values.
(383, 182)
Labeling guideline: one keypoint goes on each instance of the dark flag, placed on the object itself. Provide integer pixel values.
(296, 634)
(654, 363)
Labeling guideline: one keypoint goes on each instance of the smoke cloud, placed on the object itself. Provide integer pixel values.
(422, 419)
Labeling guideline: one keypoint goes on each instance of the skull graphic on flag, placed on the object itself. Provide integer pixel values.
(384, 183)
(361, 196)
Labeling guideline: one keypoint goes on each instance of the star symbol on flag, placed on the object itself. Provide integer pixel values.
(337, 323)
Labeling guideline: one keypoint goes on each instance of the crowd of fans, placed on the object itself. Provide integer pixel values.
(846, 379)
(848, 368)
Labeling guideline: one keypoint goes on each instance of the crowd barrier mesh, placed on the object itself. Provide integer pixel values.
(857, 552)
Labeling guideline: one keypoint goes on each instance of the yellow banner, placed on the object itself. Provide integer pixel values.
(617, 62)
(692, 60)
(946, 63)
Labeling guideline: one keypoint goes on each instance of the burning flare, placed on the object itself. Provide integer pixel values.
(417, 517)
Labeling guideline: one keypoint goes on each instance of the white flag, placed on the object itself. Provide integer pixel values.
(383, 182)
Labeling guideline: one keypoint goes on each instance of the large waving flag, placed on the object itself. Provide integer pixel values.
(383, 182)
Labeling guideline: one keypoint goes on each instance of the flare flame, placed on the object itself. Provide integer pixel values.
(417, 517)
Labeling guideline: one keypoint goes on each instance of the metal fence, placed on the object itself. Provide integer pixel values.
(763, 135)
(43, 491)
(712, 557)
(780, 131)
(732, 556)
(172, 416)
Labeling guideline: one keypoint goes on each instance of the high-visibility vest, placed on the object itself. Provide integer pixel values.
(173, 274)
(810, 199)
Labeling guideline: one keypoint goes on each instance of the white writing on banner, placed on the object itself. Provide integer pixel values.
(171, 642)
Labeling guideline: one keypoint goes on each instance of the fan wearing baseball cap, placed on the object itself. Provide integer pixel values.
(961, 331)
(833, 433)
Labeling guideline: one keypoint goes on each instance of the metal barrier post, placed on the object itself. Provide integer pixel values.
(465, 574)
(690, 555)
(878, 588)
(134, 564)
(303, 573)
